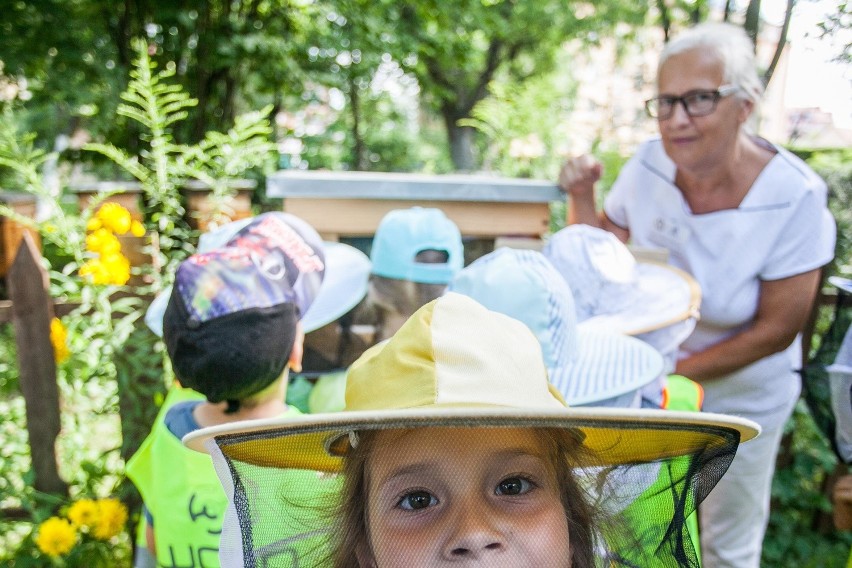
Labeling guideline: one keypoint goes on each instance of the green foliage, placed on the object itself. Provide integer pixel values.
(76, 53)
(835, 166)
(116, 371)
(8, 358)
(22, 163)
(455, 50)
(799, 499)
(72, 67)
(163, 166)
(799, 532)
(838, 24)
(518, 122)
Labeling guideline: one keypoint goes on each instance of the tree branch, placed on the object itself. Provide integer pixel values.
(752, 20)
(492, 62)
(665, 21)
(782, 41)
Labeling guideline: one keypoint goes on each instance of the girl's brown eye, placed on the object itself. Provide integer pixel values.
(417, 500)
(513, 486)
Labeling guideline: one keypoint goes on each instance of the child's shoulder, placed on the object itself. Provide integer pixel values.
(180, 420)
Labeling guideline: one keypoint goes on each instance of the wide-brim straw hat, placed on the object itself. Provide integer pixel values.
(613, 291)
(455, 364)
(587, 366)
(345, 281)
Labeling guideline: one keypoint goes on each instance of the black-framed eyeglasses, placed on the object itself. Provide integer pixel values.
(699, 102)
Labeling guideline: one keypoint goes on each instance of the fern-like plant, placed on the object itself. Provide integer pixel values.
(156, 104)
(23, 165)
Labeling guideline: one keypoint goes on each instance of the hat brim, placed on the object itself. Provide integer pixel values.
(607, 365)
(662, 295)
(344, 284)
(304, 442)
(844, 284)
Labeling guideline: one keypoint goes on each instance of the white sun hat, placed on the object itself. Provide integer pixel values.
(344, 284)
(613, 291)
(841, 283)
(594, 367)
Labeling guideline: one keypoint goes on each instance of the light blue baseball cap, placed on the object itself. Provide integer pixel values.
(588, 367)
(403, 233)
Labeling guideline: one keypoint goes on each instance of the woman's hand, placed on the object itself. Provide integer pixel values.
(577, 179)
(579, 175)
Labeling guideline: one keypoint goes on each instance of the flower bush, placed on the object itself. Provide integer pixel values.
(111, 370)
(56, 537)
(86, 535)
(107, 265)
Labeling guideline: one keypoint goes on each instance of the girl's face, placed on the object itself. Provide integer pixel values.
(466, 496)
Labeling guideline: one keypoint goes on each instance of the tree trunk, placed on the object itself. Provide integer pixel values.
(461, 144)
(782, 41)
(665, 22)
(728, 8)
(359, 150)
(752, 20)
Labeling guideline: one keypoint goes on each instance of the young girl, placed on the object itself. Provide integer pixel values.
(504, 495)
(454, 448)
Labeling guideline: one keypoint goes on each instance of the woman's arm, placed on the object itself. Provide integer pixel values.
(782, 311)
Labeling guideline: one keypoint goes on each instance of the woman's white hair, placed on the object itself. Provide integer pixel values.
(731, 45)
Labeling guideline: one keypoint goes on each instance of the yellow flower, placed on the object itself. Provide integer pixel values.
(56, 537)
(83, 513)
(96, 271)
(137, 229)
(93, 224)
(59, 339)
(112, 515)
(103, 242)
(108, 269)
(115, 218)
(117, 267)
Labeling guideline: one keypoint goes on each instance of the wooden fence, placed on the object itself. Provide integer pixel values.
(32, 310)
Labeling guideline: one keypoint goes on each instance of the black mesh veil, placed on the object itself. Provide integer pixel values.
(641, 479)
(816, 389)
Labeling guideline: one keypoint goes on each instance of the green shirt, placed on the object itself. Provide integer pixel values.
(181, 489)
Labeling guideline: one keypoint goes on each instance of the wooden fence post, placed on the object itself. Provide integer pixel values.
(32, 310)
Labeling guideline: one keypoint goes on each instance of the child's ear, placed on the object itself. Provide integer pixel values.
(298, 350)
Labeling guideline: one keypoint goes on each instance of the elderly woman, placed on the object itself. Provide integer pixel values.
(749, 221)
